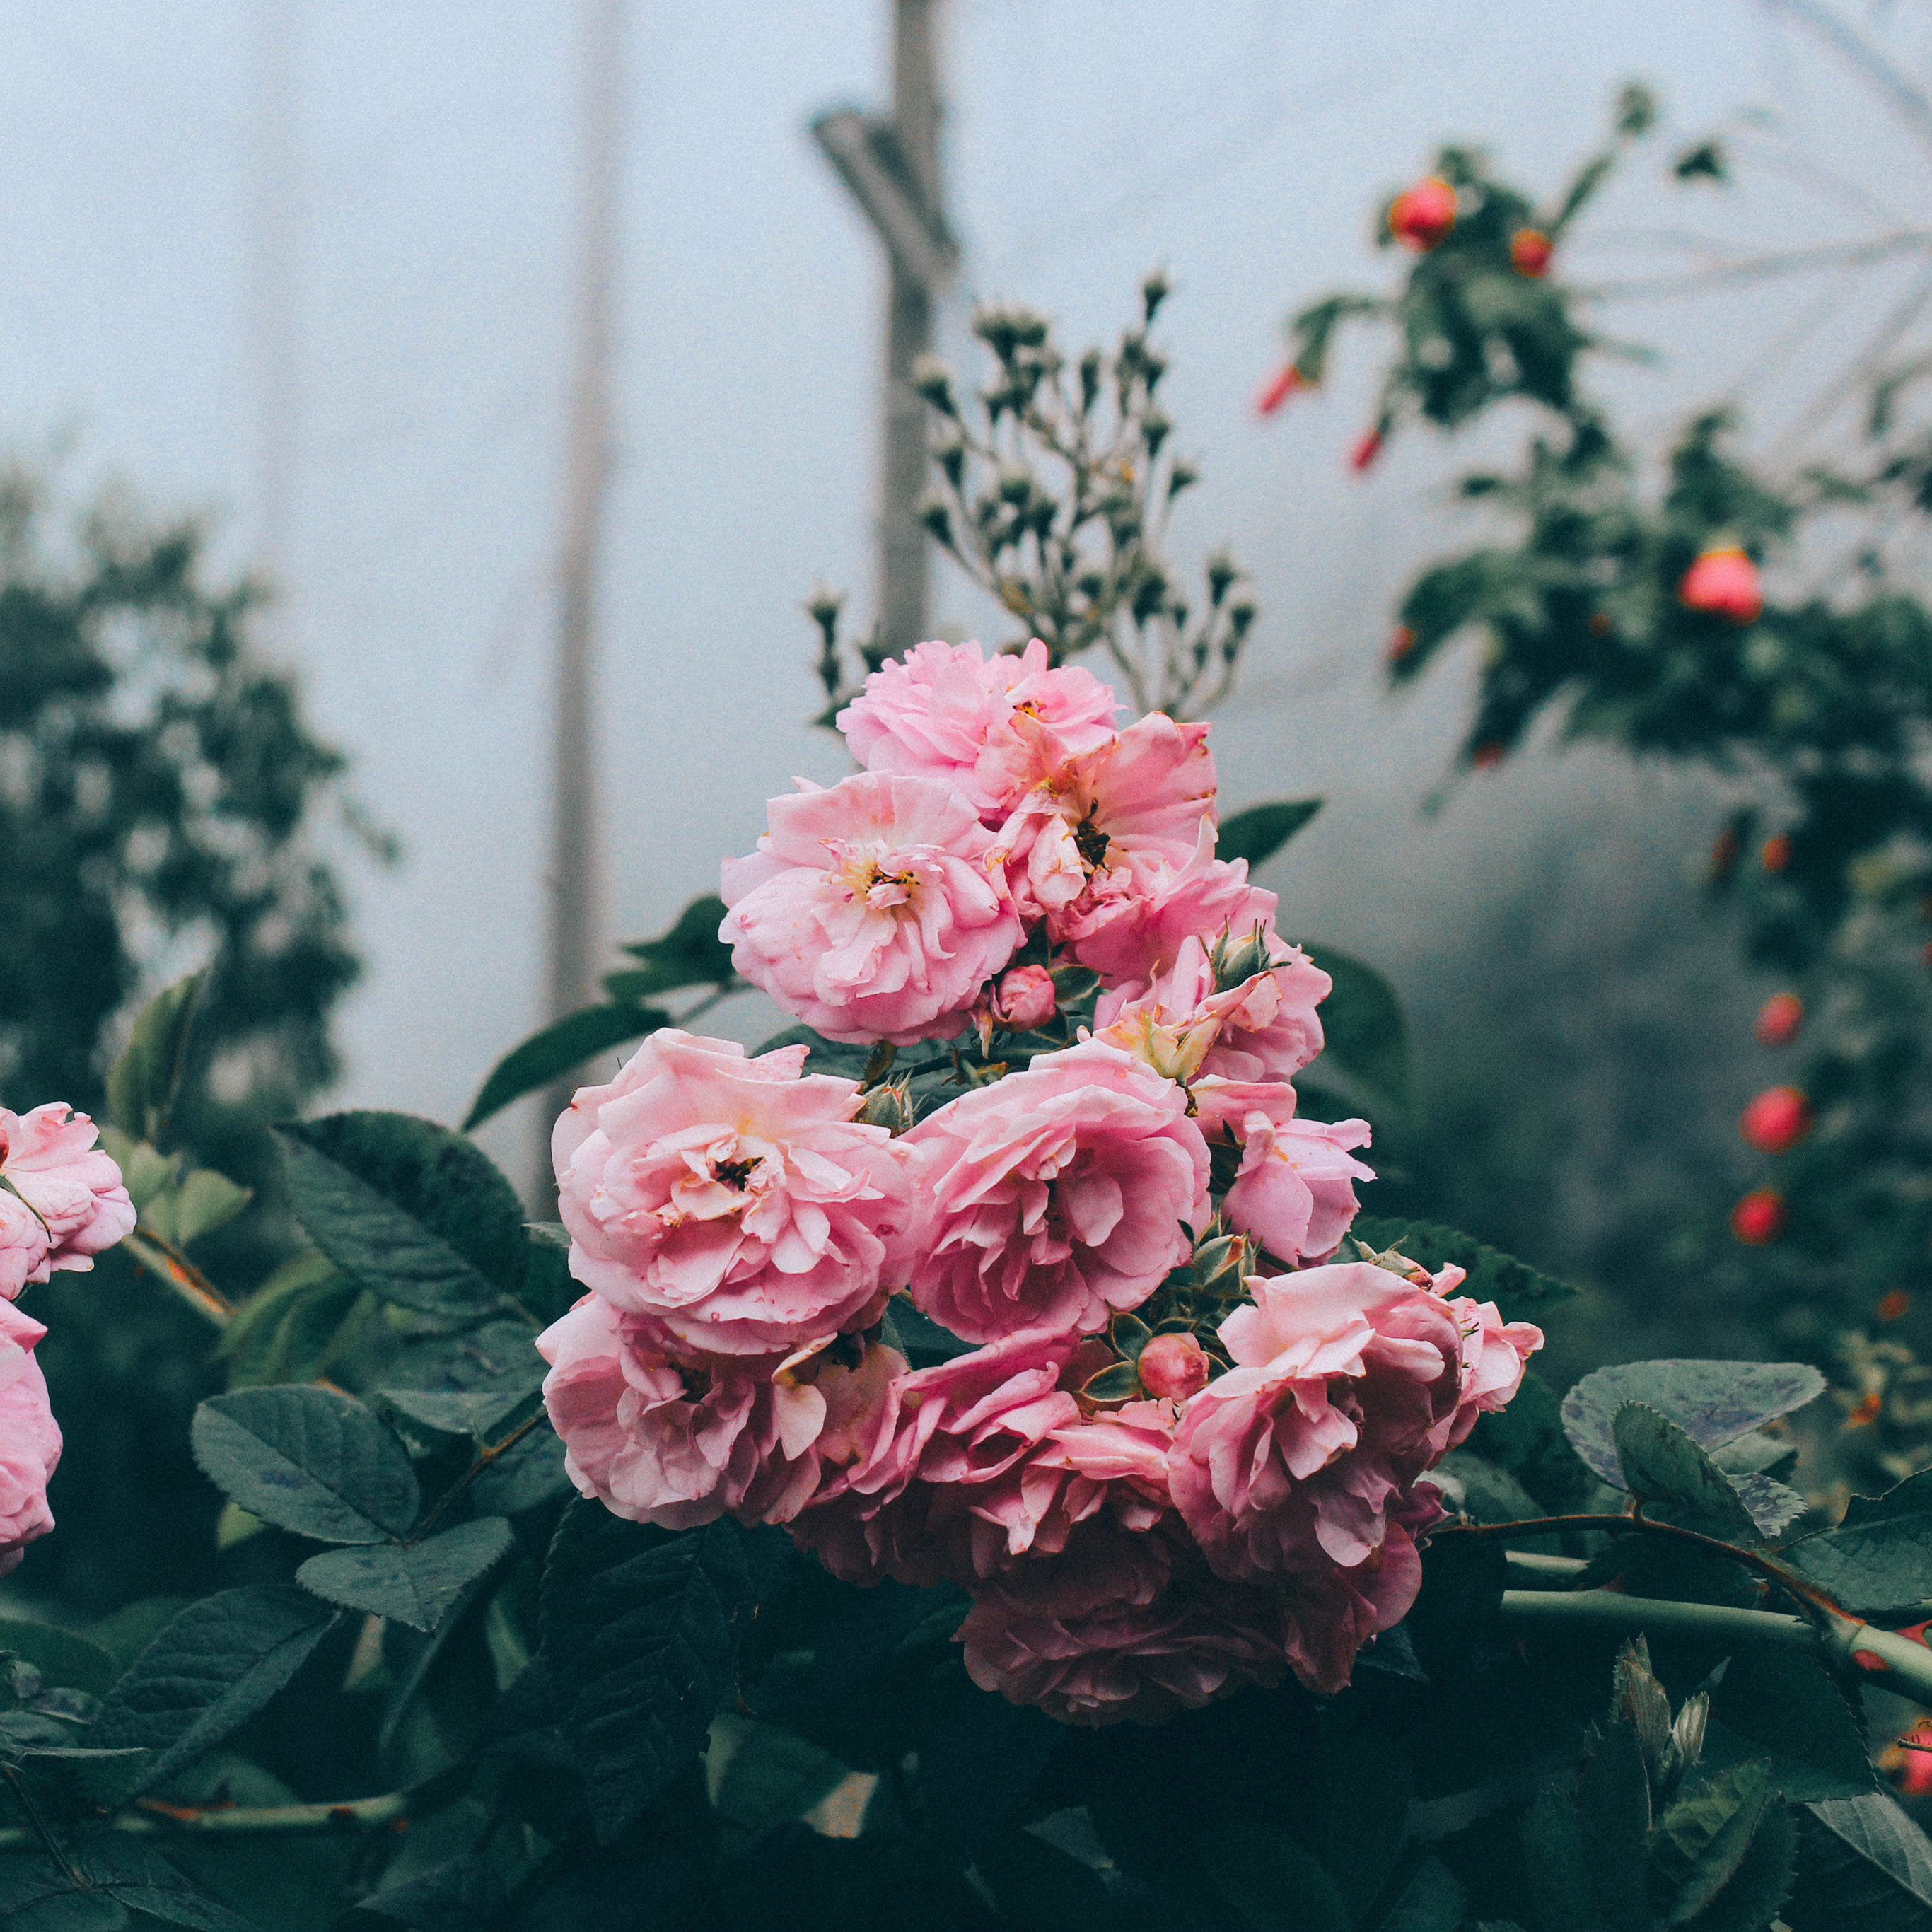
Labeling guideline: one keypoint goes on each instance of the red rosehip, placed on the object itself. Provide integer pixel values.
(1278, 387)
(1366, 451)
(1759, 1217)
(1724, 582)
(1487, 756)
(1777, 854)
(1420, 217)
(1530, 251)
(1777, 1121)
(1779, 1018)
(1401, 644)
(1174, 1367)
(1895, 1306)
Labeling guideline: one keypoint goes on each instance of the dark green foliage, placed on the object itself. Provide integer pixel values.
(1674, 1479)
(1863, 1867)
(1258, 833)
(1364, 1034)
(1520, 1291)
(208, 1671)
(641, 1630)
(1879, 1557)
(414, 1583)
(554, 1050)
(690, 955)
(1715, 1403)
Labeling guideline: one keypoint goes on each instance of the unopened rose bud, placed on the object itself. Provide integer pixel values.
(1530, 251)
(1174, 1367)
(1776, 1120)
(1420, 217)
(1025, 999)
(1724, 582)
(1779, 1019)
(888, 1105)
(1759, 1218)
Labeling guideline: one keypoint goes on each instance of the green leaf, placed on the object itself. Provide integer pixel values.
(1879, 1557)
(64, 1660)
(84, 1780)
(459, 1895)
(1713, 1402)
(415, 1213)
(1431, 1901)
(1555, 1865)
(415, 1583)
(1614, 1814)
(141, 1083)
(208, 1671)
(639, 1630)
(531, 1473)
(1271, 1883)
(1863, 1866)
(476, 1413)
(1522, 1292)
(1527, 1439)
(296, 1325)
(555, 1050)
(1701, 1841)
(37, 1896)
(1681, 1485)
(125, 1632)
(204, 1201)
(140, 1878)
(690, 955)
(1785, 1702)
(1481, 1490)
(1039, 1888)
(1366, 1788)
(310, 1460)
(1750, 1901)
(1363, 1028)
(1258, 833)
(769, 1775)
(846, 1058)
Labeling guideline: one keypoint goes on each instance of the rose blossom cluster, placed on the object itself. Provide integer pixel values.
(61, 1203)
(1160, 1473)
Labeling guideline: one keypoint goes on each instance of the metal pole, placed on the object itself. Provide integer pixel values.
(904, 567)
(575, 899)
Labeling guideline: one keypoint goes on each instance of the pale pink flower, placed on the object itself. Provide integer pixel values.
(1495, 1354)
(1122, 1626)
(1054, 1196)
(946, 712)
(733, 1203)
(30, 1438)
(1025, 999)
(679, 1444)
(1347, 1380)
(1265, 1028)
(1295, 1191)
(1131, 938)
(49, 1159)
(978, 1462)
(874, 911)
(1090, 831)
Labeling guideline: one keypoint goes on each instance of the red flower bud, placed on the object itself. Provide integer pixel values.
(1278, 388)
(1366, 451)
(1777, 1121)
(1487, 756)
(1174, 1367)
(1723, 582)
(1420, 217)
(1892, 1307)
(1401, 644)
(1779, 1018)
(1530, 251)
(1759, 1218)
(1777, 854)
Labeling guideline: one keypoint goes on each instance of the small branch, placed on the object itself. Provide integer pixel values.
(35, 1832)
(156, 1818)
(180, 1274)
(1765, 268)
(483, 1461)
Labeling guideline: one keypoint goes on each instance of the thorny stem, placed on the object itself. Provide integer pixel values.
(187, 1280)
(155, 1817)
(1773, 1572)
(484, 1458)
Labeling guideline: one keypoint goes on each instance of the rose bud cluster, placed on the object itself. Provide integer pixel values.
(61, 1203)
(1182, 1445)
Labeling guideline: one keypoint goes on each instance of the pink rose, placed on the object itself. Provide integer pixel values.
(1089, 830)
(1025, 999)
(1346, 1382)
(977, 1461)
(946, 712)
(732, 1203)
(873, 910)
(677, 1445)
(1295, 1191)
(1186, 893)
(1265, 1028)
(79, 1206)
(1495, 1354)
(1122, 1626)
(1057, 1195)
(30, 1438)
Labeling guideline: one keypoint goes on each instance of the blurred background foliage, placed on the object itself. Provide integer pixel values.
(162, 804)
